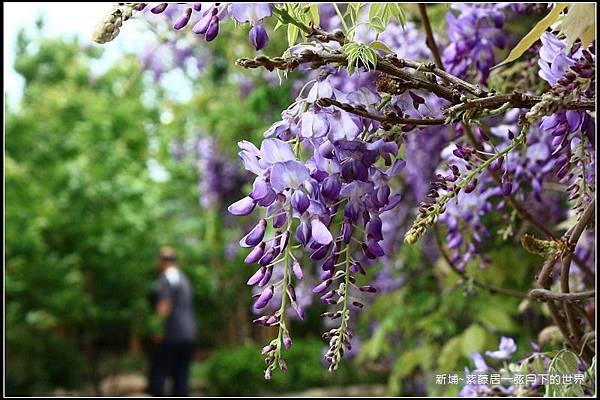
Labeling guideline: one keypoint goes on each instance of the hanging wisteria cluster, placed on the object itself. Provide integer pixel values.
(330, 171)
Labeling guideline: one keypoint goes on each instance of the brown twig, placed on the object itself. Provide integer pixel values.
(544, 281)
(389, 118)
(430, 41)
(431, 67)
(586, 217)
(544, 278)
(573, 237)
(560, 322)
(570, 328)
(323, 36)
(436, 68)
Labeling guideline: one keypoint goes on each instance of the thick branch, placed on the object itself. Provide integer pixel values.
(516, 100)
(545, 294)
(413, 79)
(584, 220)
(317, 59)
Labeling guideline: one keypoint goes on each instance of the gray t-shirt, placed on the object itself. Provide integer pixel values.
(180, 324)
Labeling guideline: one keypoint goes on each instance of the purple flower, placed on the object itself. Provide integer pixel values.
(341, 126)
(507, 348)
(474, 35)
(330, 187)
(264, 297)
(300, 201)
(253, 13)
(322, 286)
(258, 37)
(480, 364)
(275, 150)
(262, 192)
(374, 228)
(287, 341)
(288, 174)
(255, 235)
(323, 88)
(255, 255)
(319, 232)
(250, 12)
(213, 29)
(314, 123)
(268, 256)
(208, 25)
(183, 20)
(202, 25)
(159, 8)
(297, 270)
(553, 61)
(242, 207)
(257, 277)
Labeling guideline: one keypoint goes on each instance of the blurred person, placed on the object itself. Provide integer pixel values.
(174, 345)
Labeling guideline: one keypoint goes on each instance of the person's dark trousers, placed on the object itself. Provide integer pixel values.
(170, 359)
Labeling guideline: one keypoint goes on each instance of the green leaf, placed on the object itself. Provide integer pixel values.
(292, 34)
(496, 313)
(314, 12)
(378, 24)
(450, 354)
(358, 54)
(473, 340)
(533, 35)
(374, 10)
(565, 362)
(388, 12)
(579, 23)
(378, 45)
(400, 16)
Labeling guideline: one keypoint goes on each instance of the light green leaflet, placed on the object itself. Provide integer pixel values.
(359, 54)
(380, 15)
(579, 23)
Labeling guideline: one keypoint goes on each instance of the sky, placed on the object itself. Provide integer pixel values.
(69, 19)
(61, 18)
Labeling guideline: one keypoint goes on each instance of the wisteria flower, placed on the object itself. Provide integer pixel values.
(253, 13)
(288, 175)
(506, 349)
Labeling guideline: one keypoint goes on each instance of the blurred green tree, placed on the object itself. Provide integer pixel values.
(82, 216)
(85, 216)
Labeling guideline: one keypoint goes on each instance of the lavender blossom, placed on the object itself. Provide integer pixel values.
(253, 13)
(506, 349)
